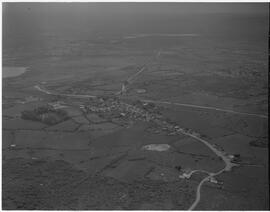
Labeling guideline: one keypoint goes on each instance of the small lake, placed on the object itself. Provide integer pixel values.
(13, 71)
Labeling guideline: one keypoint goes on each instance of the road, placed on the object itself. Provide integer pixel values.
(198, 190)
(42, 90)
(60, 94)
(226, 160)
(198, 193)
(155, 101)
(194, 171)
(208, 108)
(129, 81)
(131, 78)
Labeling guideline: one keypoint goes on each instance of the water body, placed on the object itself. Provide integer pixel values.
(159, 35)
(13, 71)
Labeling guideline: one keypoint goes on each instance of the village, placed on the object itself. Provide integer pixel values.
(121, 112)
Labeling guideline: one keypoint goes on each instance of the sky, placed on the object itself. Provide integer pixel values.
(39, 25)
(146, 7)
(27, 21)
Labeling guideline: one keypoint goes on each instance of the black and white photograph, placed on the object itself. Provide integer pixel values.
(135, 105)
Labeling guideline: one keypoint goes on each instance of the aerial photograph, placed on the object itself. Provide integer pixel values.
(135, 106)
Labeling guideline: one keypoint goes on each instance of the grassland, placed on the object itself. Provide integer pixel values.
(94, 159)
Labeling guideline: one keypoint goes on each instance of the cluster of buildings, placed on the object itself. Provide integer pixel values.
(114, 108)
(121, 109)
(188, 173)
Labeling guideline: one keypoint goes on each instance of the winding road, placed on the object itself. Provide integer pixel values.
(226, 160)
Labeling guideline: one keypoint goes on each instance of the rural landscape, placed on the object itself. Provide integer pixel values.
(105, 108)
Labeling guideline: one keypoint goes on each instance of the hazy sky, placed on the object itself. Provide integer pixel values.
(29, 20)
(38, 25)
(108, 8)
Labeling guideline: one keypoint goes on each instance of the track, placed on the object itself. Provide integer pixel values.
(60, 94)
(131, 78)
(207, 108)
(129, 81)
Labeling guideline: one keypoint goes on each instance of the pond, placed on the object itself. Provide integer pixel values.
(13, 71)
